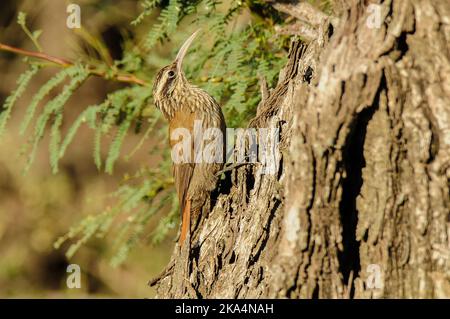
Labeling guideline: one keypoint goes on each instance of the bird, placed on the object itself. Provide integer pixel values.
(183, 105)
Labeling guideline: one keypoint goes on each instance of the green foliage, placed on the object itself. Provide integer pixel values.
(149, 6)
(22, 84)
(88, 116)
(77, 75)
(129, 217)
(237, 45)
(40, 95)
(167, 23)
(34, 36)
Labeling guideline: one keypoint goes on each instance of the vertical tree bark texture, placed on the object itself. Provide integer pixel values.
(362, 183)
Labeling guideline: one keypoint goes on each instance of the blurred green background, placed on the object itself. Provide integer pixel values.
(37, 208)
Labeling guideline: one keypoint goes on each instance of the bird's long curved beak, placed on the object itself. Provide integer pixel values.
(184, 49)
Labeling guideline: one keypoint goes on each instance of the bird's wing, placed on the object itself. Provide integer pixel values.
(182, 174)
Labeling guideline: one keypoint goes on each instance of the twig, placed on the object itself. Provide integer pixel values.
(264, 87)
(264, 93)
(231, 167)
(306, 12)
(126, 78)
(38, 55)
(348, 289)
(300, 28)
(162, 275)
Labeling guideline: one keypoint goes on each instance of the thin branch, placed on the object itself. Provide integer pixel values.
(126, 78)
(307, 32)
(39, 55)
(306, 12)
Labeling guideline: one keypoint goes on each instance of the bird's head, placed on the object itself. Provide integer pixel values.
(170, 80)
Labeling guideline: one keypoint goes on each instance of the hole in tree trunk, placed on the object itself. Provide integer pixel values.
(354, 162)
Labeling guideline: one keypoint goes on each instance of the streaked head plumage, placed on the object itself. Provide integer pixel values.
(171, 79)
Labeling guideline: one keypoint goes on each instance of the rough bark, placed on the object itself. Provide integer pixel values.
(362, 178)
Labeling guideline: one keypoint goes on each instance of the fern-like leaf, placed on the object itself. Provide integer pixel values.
(167, 23)
(114, 150)
(22, 84)
(55, 139)
(54, 106)
(39, 96)
(88, 116)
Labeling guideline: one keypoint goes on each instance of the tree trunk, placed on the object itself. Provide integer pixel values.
(359, 205)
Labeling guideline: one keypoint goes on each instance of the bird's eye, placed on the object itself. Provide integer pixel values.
(171, 74)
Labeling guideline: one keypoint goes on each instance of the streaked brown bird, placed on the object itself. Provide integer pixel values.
(182, 104)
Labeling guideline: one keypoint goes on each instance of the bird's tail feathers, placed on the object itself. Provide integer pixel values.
(185, 223)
